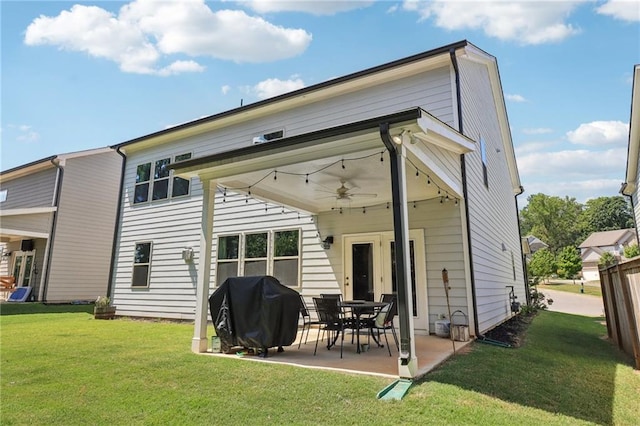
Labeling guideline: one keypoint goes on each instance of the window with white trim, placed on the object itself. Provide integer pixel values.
(483, 155)
(275, 253)
(155, 180)
(3, 195)
(141, 265)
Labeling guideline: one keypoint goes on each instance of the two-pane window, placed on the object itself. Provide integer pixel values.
(155, 180)
(141, 265)
(275, 253)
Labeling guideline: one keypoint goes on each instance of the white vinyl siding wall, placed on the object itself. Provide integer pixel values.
(174, 224)
(492, 210)
(83, 240)
(34, 190)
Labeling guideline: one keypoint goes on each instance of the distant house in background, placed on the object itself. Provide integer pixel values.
(598, 243)
(57, 221)
(630, 185)
(535, 243)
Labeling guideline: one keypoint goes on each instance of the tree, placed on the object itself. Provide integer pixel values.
(542, 264)
(607, 259)
(605, 214)
(552, 219)
(631, 251)
(569, 263)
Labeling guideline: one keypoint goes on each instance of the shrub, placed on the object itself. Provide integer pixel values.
(538, 301)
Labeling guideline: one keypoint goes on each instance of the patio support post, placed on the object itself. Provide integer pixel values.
(407, 362)
(199, 342)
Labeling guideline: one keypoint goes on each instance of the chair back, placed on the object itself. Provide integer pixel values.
(337, 296)
(328, 309)
(304, 311)
(392, 299)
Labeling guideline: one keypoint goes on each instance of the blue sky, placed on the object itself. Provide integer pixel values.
(82, 75)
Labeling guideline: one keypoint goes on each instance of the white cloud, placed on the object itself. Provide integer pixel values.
(599, 133)
(624, 10)
(515, 98)
(581, 190)
(26, 134)
(537, 131)
(524, 22)
(533, 147)
(145, 32)
(313, 7)
(273, 87)
(561, 166)
(225, 89)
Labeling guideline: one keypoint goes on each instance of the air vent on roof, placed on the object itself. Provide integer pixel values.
(268, 137)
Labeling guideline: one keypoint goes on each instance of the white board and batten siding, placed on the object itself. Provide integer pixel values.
(86, 217)
(492, 210)
(175, 223)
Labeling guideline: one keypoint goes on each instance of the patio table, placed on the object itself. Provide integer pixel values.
(357, 308)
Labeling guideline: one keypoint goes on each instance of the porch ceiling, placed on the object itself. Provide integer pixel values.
(347, 169)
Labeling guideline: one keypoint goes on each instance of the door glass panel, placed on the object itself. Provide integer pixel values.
(362, 273)
(413, 274)
(16, 268)
(26, 280)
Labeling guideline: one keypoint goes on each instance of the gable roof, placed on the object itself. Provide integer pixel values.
(535, 243)
(608, 238)
(633, 151)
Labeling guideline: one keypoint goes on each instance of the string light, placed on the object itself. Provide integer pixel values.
(364, 210)
(417, 173)
(306, 179)
(343, 167)
(275, 175)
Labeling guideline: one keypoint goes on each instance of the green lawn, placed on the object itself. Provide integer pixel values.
(572, 288)
(66, 368)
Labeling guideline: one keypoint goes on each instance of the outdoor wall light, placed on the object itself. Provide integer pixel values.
(404, 137)
(326, 243)
(187, 254)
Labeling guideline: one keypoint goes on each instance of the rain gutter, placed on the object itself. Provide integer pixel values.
(116, 226)
(463, 170)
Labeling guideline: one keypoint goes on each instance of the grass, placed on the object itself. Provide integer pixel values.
(591, 290)
(68, 368)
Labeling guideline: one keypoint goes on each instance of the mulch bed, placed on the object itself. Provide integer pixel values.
(512, 331)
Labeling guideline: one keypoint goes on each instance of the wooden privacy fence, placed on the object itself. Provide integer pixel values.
(621, 296)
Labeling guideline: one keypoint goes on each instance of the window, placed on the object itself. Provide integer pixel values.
(483, 155)
(274, 253)
(227, 265)
(286, 257)
(141, 265)
(3, 196)
(161, 184)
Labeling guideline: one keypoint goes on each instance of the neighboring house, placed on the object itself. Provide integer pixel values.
(535, 244)
(57, 221)
(598, 243)
(630, 185)
(329, 188)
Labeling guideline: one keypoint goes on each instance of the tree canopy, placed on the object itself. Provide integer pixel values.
(562, 222)
(569, 262)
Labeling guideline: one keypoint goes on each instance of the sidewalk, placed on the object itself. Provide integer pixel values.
(572, 303)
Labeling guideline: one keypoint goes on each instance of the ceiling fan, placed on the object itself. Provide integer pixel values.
(344, 193)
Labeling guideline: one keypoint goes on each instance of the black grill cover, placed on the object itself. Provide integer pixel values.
(255, 312)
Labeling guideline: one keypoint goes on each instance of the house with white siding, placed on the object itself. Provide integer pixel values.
(598, 243)
(632, 177)
(57, 221)
(380, 181)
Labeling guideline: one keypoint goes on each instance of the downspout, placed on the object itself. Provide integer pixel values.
(633, 209)
(116, 226)
(400, 255)
(463, 170)
(525, 274)
(54, 221)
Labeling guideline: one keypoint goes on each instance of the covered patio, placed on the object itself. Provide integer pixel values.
(431, 351)
(383, 155)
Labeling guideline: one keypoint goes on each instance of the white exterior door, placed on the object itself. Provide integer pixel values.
(369, 270)
(23, 263)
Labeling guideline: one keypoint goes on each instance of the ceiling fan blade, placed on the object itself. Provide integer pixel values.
(364, 195)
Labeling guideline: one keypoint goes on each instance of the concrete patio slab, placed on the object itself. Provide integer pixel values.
(431, 352)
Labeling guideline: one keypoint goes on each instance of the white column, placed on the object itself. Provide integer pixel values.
(199, 342)
(407, 368)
